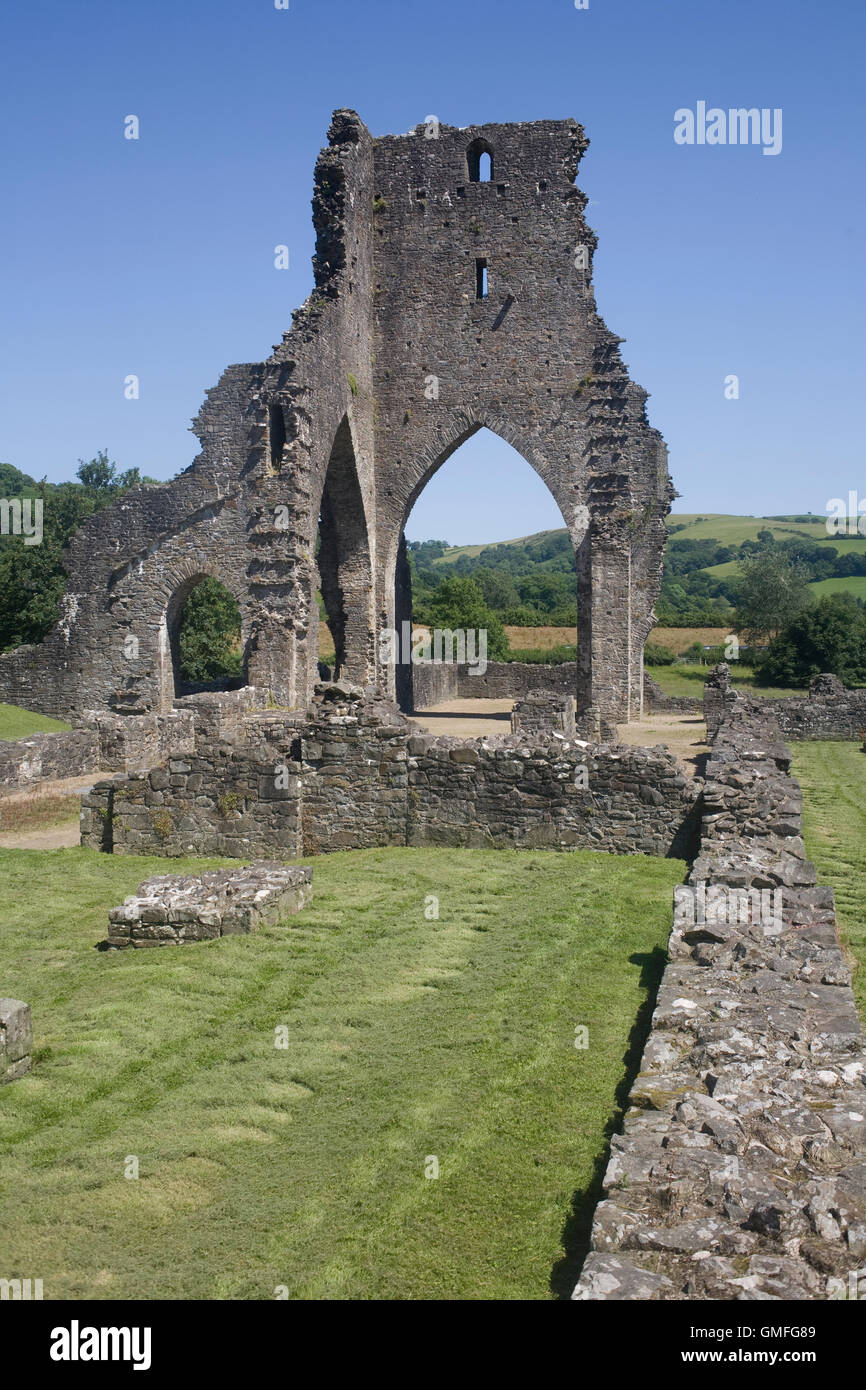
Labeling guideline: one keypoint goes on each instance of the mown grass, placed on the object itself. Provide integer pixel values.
(833, 779)
(21, 723)
(690, 680)
(407, 1039)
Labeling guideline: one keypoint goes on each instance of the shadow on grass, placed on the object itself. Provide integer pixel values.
(578, 1225)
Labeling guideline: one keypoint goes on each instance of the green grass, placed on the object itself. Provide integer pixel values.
(690, 680)
(304, 1167)
(733, 530)
(833, 778)
(20, 723)
(855, 584)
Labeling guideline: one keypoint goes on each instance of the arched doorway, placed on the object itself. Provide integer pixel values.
(509, 567)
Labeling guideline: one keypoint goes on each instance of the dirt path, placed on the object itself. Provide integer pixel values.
(684, 734)
(58, 831)
(466, 718)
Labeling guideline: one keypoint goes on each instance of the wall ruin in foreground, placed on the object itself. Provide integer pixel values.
(741, 1169)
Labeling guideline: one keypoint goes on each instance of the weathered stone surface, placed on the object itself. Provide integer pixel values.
(16, 1039)
(396, 358)
(353, 773)
(741, 1169)
(172, 909)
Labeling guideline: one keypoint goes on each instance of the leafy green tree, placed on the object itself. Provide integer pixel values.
(210, 634)
(831, 636)
(459, 603)
(772, 591)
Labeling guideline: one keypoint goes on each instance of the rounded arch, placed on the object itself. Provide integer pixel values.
(480, 161)
(183, 583)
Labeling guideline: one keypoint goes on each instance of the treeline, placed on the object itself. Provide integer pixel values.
(531, 583)
(32, 577)
(692, 598)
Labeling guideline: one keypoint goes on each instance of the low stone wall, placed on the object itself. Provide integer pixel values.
(829, 711)
(544, 712)
(515, 679)
(354, 774)
(16, 1040)
(25, 761)
(435, 682)
(174, 909)
(741, 1169)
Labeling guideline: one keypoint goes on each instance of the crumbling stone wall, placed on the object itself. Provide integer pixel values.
(24, 761)
(741, 1169)
(354, 774)
(395, 359)
(435, 682)
(176, 909)
(830, 711)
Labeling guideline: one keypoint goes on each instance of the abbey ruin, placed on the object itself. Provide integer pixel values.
(444, 302)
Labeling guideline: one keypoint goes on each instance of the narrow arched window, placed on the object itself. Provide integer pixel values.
(479, 158)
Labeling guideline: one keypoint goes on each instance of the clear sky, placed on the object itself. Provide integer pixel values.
(155, 257)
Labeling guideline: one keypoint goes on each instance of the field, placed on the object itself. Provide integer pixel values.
(833, 778)
(20, 723)
(855, 585)
(689, 680)
(408, 1040)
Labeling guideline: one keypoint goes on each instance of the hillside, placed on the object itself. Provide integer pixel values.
(529, 581)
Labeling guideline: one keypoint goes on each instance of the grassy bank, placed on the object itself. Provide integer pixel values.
(408, 1039)
(21, 723)
(833, 778)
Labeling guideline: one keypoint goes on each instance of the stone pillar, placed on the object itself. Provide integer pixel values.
(604, 640)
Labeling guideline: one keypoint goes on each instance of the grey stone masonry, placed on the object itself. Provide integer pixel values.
(544, 712)
(16, 1039)
(27, 761)
(353, 773)
(741, 1169)
(829, 711)
(173, 909)
(443, 304)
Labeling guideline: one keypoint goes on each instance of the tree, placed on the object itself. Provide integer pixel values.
(210, 634)
(829, 637)
(459, 604)
(772, 591)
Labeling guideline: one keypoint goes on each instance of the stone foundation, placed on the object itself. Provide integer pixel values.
(16, 1039)
(354, 774)
(741, 1169)
(173, 909)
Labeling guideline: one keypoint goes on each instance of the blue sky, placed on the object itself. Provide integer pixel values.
(155, 257)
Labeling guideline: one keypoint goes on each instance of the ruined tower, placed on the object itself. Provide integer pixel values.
(453, 290)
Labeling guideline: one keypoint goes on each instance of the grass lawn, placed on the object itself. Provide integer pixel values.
(833, 778)
(20, 723)
(690, 680)
(855, 584)
(305, 1166)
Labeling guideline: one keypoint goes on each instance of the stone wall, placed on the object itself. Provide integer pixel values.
(177, 909)
(435, 682)
(354, 774)
(544, 712)
(741, 1169)
(16, 1039)
(829, 711)
(25, 761)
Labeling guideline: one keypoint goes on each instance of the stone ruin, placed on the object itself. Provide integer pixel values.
(443, 303)
(173, 909)
(16, 1040)
(741, 1169)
